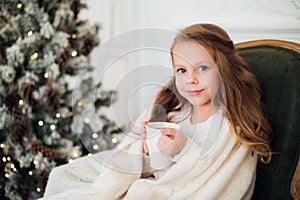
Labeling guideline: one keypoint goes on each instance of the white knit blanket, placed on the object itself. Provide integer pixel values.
(226, 171)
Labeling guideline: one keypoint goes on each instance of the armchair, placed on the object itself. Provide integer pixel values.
(276, 64)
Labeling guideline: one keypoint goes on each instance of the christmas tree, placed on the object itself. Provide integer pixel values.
(44, 49)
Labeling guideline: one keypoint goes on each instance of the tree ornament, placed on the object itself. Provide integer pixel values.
(64, 27)
(75, 7)
(42, 177)
(21, 131)
(27, 93)
(37, 147)
(63, 59)
(11, 101)
(2, 51)
(89, 44)
(3, 20)
(52, 97)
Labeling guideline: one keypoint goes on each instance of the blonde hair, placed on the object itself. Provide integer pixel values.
(242, 98)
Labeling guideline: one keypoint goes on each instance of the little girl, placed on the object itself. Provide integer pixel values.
(216, 100)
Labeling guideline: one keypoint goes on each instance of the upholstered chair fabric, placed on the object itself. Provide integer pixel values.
(276, 65)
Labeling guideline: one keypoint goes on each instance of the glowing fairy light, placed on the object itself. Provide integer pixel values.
(21, 102)
(41, 123)
(19, 6)
(86, 120)
(95, 147)
(52, 127)
(34, 56)
(57, 115)
(2, 145)
(114, 140)
(79, 103)
(75, 154)
(95, 135)
(74, 53)
(73, 36)
(29, 33)
(35, 162)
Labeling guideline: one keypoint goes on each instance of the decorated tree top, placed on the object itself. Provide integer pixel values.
(44, 49)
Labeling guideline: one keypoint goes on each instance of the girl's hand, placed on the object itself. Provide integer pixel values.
(145, 147)
(171, 142)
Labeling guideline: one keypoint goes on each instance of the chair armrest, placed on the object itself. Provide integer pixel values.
(295, 186)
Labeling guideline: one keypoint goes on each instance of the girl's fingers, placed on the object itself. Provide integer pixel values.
(162, 145)
(163, 142)
(171, 133)
(144, 124)
(144, 135)
(144, 128)
(145, 148)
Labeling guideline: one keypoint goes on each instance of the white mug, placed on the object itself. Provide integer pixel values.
(157, 159)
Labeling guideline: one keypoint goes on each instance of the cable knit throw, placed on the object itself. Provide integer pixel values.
(220, 169)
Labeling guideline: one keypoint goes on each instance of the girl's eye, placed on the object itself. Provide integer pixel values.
(202, 68)
(181, 70)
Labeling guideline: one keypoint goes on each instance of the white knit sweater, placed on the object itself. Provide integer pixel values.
(222, 168)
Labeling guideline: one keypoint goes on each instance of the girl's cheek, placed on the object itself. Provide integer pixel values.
(179, 80)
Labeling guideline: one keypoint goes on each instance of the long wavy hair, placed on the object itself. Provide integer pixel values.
(241, 102)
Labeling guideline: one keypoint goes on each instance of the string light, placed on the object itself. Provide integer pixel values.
(2, 145)
(19, 6)
(35, 162)
(6, 175)
(29, 33)
(71, 160)
(41, 123)
(21, 102)
(75, 154)
(34, 56)
(79, 103)
(30, 173)
(94, 135)
(74, 53)
(38, 189)
(95, 147)
(86, 120)
(52, 127)
(4, 159)
(114, 140)
(8, 158)
(57, 115)
(46, 75)
(73, 36)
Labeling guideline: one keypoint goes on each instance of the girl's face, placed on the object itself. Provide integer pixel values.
(196, 74)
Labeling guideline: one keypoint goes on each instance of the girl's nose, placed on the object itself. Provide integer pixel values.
(192, 78)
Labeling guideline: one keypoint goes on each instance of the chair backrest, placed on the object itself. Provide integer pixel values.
(276, 65)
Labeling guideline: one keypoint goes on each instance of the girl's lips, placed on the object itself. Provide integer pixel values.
(194, 92)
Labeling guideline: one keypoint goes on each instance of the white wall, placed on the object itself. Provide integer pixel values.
(134, 60)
